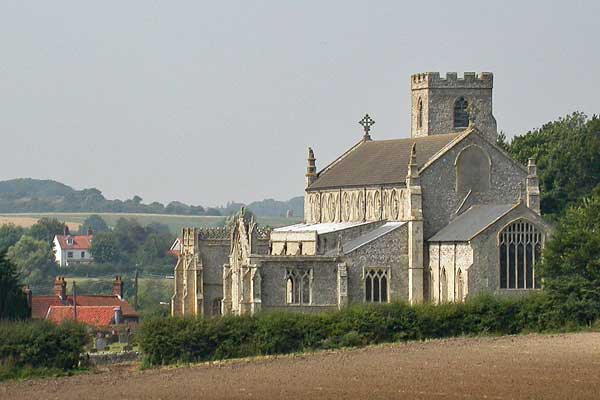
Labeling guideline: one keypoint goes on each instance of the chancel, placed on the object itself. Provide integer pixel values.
(438, 217)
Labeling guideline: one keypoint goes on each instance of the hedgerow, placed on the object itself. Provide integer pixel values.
(175, 340)
(32, 345)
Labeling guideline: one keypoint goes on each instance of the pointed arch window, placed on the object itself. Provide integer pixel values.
(461, 114)
(520, 248)
(298, 286)
(376, 285)
(444, 282)
(420, 114)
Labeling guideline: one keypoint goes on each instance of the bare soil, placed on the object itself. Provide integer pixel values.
(511, 367)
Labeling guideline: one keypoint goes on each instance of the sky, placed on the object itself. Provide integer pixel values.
(208, 102)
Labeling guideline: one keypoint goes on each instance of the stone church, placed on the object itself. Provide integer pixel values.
(440, 216)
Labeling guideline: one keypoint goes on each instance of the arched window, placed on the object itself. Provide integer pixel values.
(459, 286)
(461, 114)
(420, 114)
(473, 170)
(444, 282)
(216, 306)
(520, 247)
(376, 285)
(298, 286)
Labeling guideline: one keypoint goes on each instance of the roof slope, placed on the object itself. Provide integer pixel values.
(41, 304)
(80, 242)
(468, 224)
(98, 316)
(367, 238)
(380, 161)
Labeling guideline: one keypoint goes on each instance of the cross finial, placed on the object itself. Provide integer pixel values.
(367, 122)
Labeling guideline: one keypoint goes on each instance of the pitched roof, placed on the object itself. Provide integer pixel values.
(468, 224)
(378, 162)
(91, 315)
(41, 304)
(80, 242)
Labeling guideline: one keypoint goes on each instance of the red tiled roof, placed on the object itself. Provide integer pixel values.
(80, 242)
(98, 316)
(41, 304)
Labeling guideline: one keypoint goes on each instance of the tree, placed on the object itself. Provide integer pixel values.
(13, 301)
(154, 250)
(46, 229)
(94, 222)
(9, 235)
(567, 152)
(106, 248)
(570, 267)
(34, 259)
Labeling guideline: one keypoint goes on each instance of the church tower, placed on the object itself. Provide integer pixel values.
(442, 105)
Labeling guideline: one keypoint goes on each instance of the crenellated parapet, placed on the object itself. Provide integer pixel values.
(214, 233)
(429, 80)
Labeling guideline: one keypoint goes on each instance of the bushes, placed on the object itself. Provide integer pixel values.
(39, 345)
(171, 340)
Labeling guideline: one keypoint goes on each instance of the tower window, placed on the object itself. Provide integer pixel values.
(420, 114)
(461, 114)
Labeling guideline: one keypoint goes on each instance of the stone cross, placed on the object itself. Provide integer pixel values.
(367, 122)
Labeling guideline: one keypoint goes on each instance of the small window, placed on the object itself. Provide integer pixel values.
(216, 306)
(83, 254)
(70, 254)
(376, 285)
(461, 114)
(298, 286)
(420, 114)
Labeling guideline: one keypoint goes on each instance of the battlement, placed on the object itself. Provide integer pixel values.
(425, 80)
(212, 233)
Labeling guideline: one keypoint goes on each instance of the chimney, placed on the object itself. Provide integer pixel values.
(29, 295)
(118, 287)
(66, 231)
(60, 288)
(90, 232)
(118, 315)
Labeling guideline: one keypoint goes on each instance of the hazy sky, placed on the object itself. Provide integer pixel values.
(206, 102)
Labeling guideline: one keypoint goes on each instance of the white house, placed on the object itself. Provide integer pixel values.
(72, 249)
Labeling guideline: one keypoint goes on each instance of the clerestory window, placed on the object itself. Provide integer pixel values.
(520, 248)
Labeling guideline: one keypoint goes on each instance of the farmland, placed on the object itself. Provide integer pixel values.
(174, 222)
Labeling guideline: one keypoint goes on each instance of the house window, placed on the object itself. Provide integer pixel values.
(376, 285)
(520, 248)
(69, 254)
(83, 254)
(461, 114)
(420, 114)
(298, 286)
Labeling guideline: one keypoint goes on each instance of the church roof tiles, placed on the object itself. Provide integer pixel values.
(378, 162)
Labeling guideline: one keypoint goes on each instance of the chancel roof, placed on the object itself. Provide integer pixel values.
(377, 162)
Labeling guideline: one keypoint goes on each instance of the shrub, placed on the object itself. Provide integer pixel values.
(171, 340)
(40, 345)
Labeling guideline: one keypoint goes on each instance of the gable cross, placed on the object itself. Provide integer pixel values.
(367, 122)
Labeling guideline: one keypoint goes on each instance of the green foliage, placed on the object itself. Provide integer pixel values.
(567, 152)
(34, 259)
(95, 223)
(172, 340)
(9, 235)
(106, 248)
(13, 301)
(39, 345)
(571, 264)
(46, 229)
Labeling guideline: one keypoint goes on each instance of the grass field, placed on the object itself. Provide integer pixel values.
(174, 222)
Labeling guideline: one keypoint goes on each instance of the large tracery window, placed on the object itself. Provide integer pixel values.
(461, 114)
(298, 285)
(376, 285)
(520, 247)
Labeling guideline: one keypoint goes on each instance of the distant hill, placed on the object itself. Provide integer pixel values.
(26, 195)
